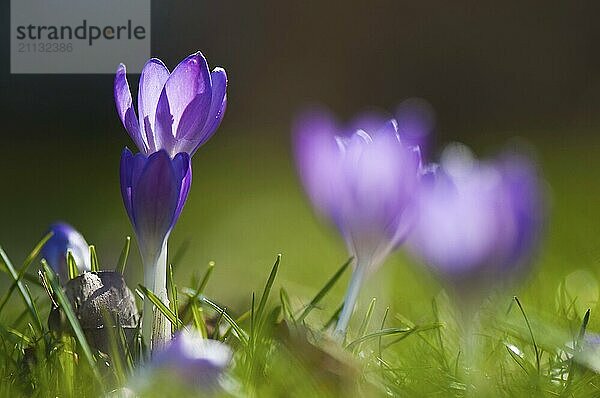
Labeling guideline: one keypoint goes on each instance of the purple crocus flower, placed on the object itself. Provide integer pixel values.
(479, 221)
(177, 111)
(194, 360)
(154, 190)
(65, 238)
(364, 181)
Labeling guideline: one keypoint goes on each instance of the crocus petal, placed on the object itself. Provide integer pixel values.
(155, 198)
(481, 221)
(65, 238)
(190, 79)
(193, 360)
(218, 106)
(318, 157)
(130, 171)
(152, 80)
(364, 181)
(183, 172)
(190, 126)
(125, 109)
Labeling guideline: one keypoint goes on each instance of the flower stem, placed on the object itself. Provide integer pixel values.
(156, 328)
(350, 301)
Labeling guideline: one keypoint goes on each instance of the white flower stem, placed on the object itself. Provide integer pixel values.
(156, 328)
(350, 301)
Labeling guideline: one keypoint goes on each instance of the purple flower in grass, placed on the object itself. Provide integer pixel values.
(198, 361)
(479, 221)
(154, 190)
(65, 238)
(415, 120)
(364, 181)
(177, 111)
(189, 362)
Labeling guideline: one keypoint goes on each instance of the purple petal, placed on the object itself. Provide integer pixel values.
(152, 80)
(370, 121)
(191, 123)
(188, 80)
(183, 172)
(65, 238)
(217, 107)
(318, 158)
(196, 361)
(155, 198)
(125, 109)
(126, 171)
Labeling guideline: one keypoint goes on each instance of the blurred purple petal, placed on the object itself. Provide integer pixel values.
(364, 181)
(478, 220)
(65, 238)
(196, 361)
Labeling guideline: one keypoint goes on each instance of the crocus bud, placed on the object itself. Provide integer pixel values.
(479, 221)
(65, 238)
(364, 181)
(177, 111)
(189, 363)
(154, 190)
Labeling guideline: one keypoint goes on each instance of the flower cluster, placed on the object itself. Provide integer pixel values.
(472, 222)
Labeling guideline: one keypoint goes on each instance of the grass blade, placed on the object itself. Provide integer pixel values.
(24, 293)
(173, 296)
(95, 267)
(72, 265)
(124, 256)
(535, 346)
(362, 330)
(198, 318)
(285, 304)
(160, 306)
(241, 334)
(324, 290)
(23, 272)
(268, 287)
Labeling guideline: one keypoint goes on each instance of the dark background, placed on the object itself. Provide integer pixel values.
(491, 70)
(509, 64)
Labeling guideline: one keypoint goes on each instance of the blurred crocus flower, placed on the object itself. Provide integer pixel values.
(415, 119)
(177, 111)
(364, 181)
(154, 190)
(65, 238)
(479, 221)
(189, 362)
